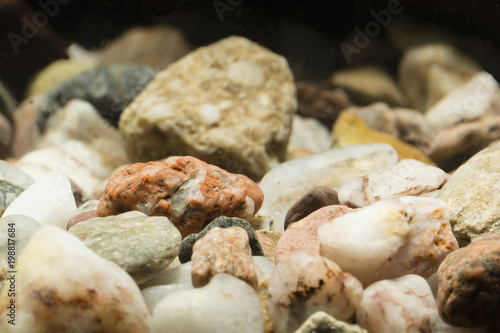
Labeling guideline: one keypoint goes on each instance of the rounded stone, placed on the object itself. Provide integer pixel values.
(469, 284)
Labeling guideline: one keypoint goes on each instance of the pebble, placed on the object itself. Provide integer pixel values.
(14, 175)
(156, 47)
(268, 241)
(108, 88)
(142, 245)
(302, 236)
(308, 134)
(351, 130)
(226, 103)
(303, 284)
(8, 193)
(190, 192)
(223, 250)
(285, 184)
(24, 227)
(393, 237)
(7, 102)
(6, 137)
(473, 196)
(55, 73)
(368, 84)
(226, 304)
(313, 200)
(57, 272)
(429, 72)
(320, 102)
(180, 274)
(220, 222)
(454, 146)
(35, 202)
(478, 97)
(26, 131)
(75, 159)
(152, 295)
(84, 216)
(407, 177)
(322, 322)
(403, 305)
(469, 280)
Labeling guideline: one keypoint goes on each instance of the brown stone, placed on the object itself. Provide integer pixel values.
(302, 236)
(469, 284)
(268, 241)
(80, 218)
(223, 250)
(321, 101)
(313, 200)
(188, 191)
(26, 132)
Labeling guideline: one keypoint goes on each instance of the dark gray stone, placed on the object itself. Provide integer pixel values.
(318, 197)
(221, 222)
(109, 88)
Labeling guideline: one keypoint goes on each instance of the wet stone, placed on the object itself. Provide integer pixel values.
(221, 222)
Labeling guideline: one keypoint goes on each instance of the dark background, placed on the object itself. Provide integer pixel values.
(307, 33)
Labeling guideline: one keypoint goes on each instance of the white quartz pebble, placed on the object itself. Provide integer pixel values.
(62, 286)
(226, 304)
(408, 177)
(49, 200)
(303, 284)
(403, 305)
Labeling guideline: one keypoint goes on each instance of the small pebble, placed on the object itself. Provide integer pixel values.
(223, 250)
(322, 322)
(268, 240)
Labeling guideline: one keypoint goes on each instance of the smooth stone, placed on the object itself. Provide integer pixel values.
(263, 266)
(378, 116)
(320, 102)
(220, 222)
(313, 200)
(88, 206)
(188, 191)
(477, 98)
(48, 201)
(14, 175)
(394, 237)
(108, 88)
(79, 120)
(81, 162)
(407, 177)
(268, 240)
(170, 276)
(473, 196)
(6, 137)
(92, 294)
(156, 47)
(142, 245)
(26, 131)
(321, 322)
(80, 218)
(223, 250)
(303, 284)
(302, 236)
(55, 73)
(309, 134)
(429, 72)
(454, 146)
(8, 193)
(351, 130)
(368, 84)
(285, 184)
(403, 305)
(22, 228)
(230, 104)
(152, 295)
(226, 304)
(469, 280)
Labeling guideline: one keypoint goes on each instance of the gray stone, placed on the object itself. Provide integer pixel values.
(141, 245)
(220, 222)
(229, 104)
(8, 193)
(171, 276)
(109, 88)
(14, 175)
(321, 322)
(473, 196)
(6, 137)
(23, 228)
